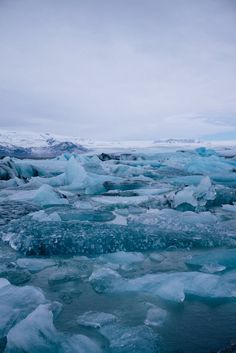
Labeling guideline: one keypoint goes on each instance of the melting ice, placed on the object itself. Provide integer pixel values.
(122, 252)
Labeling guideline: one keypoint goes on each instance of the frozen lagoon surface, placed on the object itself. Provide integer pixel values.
(119, 251)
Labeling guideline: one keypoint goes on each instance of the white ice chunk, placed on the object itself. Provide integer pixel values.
(42, 336)
(230, 208)
(46, 195)
(121, 200)
(138, 339)
(104, 278)
(80, 344)
(194, 195)
(16, 303)
(35, 265)
(156, 257)
(168, 286)
(172, 219)
(42, 216)
(75, 175)
(4, 282)
(156, 316)
(96, 319)
(185, 196)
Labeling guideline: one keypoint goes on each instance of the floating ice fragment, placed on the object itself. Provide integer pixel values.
(96, 319)
(219, 259)
(41, 333)
(138, 339)
(230, 208)
(168, 286)
(211, 268)
(205, 152)
(156, 257)
(42, 216)
(35, 265)
(16, 303)
(75, 175)
(63, 275)
(15, 275)
(46, 196)
(3, 282)
(80, 344)
(194, 195)
(155, 316)
(104, 279)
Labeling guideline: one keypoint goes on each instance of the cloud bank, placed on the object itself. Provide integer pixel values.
(119, 69)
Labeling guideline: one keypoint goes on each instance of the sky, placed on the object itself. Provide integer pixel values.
(119, 69)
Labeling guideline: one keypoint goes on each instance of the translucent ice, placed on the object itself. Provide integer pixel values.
(42, 336)
(46, 196)
(41, 333)
(156, 316)
(16, 303)
(156, 225)
(225, 258)
(230, 208)
(138, 339)
(195, 195)
(35, 265)
(122, 258)
(168, 286)
(75, 175)
(96, 319)
(8, 169)
(42, 216)
(104, 279)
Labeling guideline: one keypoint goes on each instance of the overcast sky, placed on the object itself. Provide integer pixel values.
(119, 68)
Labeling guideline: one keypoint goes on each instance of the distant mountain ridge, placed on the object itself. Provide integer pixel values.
(179, 141)
(27, 145)
(23, 144)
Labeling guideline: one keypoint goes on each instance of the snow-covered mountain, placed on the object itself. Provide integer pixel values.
(178, 141)
(22, 144)
(29, 144)
(32, 145)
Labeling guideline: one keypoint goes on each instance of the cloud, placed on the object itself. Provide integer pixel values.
(119, 69)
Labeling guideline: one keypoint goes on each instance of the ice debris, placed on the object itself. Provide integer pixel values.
(42, 336)
(96, 319)
(35, 265)
(46, 196)
(156, 316)
(196, 196)
(137, 339)
(167, 286)
(16, 303)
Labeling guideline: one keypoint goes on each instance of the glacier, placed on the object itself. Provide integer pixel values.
(117, 249)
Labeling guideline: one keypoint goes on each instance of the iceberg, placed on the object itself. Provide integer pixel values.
(47, 196)
(16, 303)
(136, 245)
(196, 196)
(173, 287)
(75, 175)
(42, 336)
